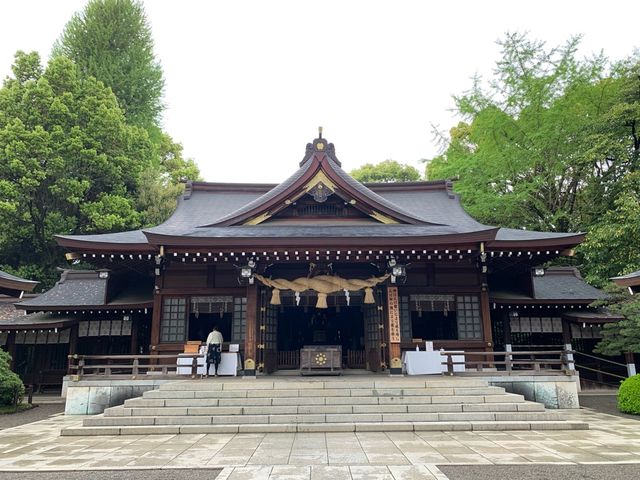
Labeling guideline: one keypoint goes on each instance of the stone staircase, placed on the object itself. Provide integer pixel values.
(321, 404)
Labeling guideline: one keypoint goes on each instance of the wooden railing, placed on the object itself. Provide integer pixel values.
(531, 361)
(128, 365)
(356, 359)
(288, 359)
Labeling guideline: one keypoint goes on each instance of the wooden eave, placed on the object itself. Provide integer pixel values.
(557, 242)
(104, 247)
(77, 308)
(464, 240)
(17, 285)
(535, 301)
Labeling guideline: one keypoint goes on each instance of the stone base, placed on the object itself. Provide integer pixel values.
(91, 397)
(553, 391)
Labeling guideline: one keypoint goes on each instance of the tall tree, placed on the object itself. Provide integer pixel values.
(69, 162)
(387, 171)
(111, 40)
(545, 143)
(611, 246)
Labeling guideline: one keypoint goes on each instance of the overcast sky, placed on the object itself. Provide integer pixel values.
(249, 82)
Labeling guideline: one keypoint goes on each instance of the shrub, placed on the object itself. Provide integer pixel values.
(629, 395)
(10, 383)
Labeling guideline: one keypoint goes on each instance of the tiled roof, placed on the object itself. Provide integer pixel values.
(557, 284)
(85, 288)
(203, 211)
(37, 320)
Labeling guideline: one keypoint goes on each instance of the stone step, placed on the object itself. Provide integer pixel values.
(183, 399)
(261, 384)
(201, 417)
(324, 427)
(140, 409)
(325, 392)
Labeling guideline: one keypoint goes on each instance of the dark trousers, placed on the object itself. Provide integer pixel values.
(214, 355)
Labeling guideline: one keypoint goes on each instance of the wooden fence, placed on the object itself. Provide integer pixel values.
(128, 365)
(537, 362)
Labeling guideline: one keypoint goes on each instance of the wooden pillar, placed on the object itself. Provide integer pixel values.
(485, 311)
(73, 339)
(156, 315)
(251, 330)
(11, 347)
(393, 329)
(134, 334)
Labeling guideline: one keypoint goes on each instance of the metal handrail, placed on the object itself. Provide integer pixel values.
(600, 371)
(601, 359)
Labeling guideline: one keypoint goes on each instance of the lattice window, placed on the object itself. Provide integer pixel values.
(271, 328)
(469, 319)
(174, 320)
(239, 324)
(372, 325)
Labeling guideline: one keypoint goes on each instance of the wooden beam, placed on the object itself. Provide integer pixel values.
(251, 330)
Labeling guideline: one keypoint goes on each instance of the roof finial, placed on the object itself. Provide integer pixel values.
(319, 132)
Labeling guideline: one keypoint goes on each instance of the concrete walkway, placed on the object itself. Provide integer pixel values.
(354, 455)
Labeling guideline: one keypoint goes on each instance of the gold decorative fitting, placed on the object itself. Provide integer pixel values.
(382, 218)
(320, 146)
(263, 328)
(383, 345)
(261, 366)
(263, 309)
(260, 346)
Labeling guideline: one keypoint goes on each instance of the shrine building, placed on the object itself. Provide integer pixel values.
(318, 260)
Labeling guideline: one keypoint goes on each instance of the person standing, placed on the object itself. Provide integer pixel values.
(214, 350)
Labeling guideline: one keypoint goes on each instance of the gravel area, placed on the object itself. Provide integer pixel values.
(169, 474)
(604, 404)
(40, 412)
(541, 472)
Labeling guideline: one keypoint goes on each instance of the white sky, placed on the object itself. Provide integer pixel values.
(249, 82)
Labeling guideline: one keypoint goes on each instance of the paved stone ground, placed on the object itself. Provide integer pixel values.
(606, 403)
(40, 412)
(391, 455)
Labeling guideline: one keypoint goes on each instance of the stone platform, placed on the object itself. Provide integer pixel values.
(347, 404)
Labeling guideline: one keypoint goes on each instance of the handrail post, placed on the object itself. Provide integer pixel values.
(631, 365)
(194, 366)
(508, 359)
(449, 363)
(80, 367)
(568, 351)
(134, 370)
(69, 364)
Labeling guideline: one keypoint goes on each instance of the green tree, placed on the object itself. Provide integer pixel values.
(387, 171)
(624, 335)
(69, 162)
(111, 40)
(611, 246)
(546, 142)
(161, 184)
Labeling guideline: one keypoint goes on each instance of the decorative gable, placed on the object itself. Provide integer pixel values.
(319, 181)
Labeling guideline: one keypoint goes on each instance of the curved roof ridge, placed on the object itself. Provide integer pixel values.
(319, 156)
